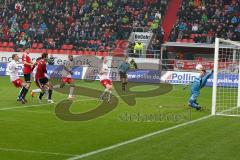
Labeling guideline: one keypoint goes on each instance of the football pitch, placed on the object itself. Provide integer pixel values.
(157, 127)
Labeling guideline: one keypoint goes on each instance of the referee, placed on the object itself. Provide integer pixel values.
(123, 69)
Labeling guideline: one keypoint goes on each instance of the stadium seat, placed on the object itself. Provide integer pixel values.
(68, 52)
(31, 50)
(39, 45)
(44, 50)
(86, 52)
(21, 50)
(34, 45)
(5, 44)
(64, 46)
(9, 49)
(74, 52)
(99, 53)
(38, 50)
(192, 36)
(98, 42)
(1, 44)
(92, 42)
(92, 53)
(105, 54)
(190, 40)
(55, 51)
(185, 40)
(118, 55)
(79, 52)
(179, 40)
(69, 47)
(49, 51)
(10, 44)
(61, 51)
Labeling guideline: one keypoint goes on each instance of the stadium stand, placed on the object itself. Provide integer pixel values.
(75, 26)
(201, 20)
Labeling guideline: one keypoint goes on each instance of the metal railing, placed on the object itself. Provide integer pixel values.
(189, 65)
(145, 53)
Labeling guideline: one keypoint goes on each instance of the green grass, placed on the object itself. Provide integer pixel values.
(25, 133)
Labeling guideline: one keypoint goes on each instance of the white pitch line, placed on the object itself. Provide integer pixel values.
(19, 107)
(86, 99)
(35, 152)
(136, 139)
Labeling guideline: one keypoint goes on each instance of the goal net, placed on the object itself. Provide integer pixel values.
(226, 84)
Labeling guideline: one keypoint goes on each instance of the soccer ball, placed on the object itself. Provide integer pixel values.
(199, 67)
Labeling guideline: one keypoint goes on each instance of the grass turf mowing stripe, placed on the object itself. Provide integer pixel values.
(136, 139)
(34, 152)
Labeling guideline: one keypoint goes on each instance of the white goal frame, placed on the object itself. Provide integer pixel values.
(218, 42)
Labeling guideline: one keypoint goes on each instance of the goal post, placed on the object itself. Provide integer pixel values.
(226, 78)
(214, 95)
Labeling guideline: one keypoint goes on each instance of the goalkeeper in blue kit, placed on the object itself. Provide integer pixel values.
(196, 86)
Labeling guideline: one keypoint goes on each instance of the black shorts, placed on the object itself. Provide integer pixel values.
(27, 77)
(123, 75)
(42, 82)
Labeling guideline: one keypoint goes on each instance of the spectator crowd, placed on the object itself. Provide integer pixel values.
(85, 24)
(200, 21)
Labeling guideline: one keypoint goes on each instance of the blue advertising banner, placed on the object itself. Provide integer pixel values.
(147, 76)
(55, 71)
(225, 80)
(3, 67)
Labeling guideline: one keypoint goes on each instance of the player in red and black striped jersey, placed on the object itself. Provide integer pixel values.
(34, 70)
(42, 78)
(27, 68)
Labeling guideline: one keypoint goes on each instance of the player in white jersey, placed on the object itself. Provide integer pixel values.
(105, 80)
(16, 80)
(67, 76)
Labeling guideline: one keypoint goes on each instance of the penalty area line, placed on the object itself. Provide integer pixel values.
(136, 139)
